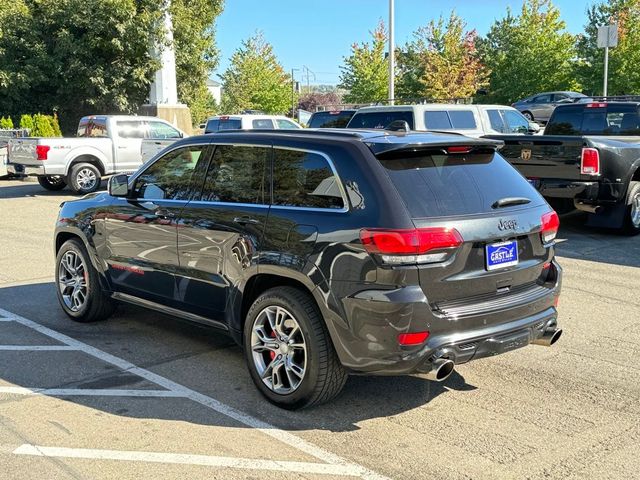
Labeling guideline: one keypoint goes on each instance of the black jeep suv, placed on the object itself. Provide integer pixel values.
(323, 252)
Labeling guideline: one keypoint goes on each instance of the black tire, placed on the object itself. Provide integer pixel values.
(84, 178)
(324, 375)
(632, 215)
(528, 116)
(52, 183)
(97, 305)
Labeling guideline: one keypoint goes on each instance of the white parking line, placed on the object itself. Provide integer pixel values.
(89, 392)
(209, 402)
(36, 348)
(185, 459)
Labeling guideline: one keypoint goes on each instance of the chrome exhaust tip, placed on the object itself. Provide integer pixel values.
(441, 369)
(549, 337)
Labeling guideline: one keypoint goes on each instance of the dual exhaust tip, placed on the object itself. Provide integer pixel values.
(442, 368)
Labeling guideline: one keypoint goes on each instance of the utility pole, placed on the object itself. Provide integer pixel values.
(392, 59)
(293, 93)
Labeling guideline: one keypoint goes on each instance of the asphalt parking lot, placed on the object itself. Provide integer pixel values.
(143, 395)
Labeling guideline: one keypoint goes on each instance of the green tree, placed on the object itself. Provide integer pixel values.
(624, 75)
(529, 53)
(26, 121)
(196, 53)
(255, 80)
(42, 126)
(441, 62)
(365, 73)
(6, 122)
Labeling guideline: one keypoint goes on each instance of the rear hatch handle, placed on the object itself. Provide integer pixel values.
(510, 201)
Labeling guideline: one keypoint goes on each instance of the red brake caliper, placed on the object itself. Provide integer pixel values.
(272, 354)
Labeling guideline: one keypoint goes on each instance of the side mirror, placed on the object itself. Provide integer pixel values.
(118, 186)
(534, 127)
(398, 126)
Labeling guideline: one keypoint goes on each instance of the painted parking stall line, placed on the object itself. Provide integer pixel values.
(37, 348)
(88, 392)
(180, 391)
(186, 459)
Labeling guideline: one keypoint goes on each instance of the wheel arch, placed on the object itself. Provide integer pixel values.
(64, 235)
(90, 158)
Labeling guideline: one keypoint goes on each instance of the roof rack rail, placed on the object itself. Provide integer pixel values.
(297, 131)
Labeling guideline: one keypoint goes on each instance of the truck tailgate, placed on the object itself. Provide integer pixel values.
(23, 151)
(540, 156)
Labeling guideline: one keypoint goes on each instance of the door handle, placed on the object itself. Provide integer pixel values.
(246, 221)
(122, 147)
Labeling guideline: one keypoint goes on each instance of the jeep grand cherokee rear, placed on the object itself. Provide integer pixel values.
(323, 253)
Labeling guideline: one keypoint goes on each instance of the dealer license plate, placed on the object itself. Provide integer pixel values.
(502, 255)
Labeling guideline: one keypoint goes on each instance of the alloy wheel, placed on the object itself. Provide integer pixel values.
(635, 210)
(86, 179)
(72, 281)
(279, 349)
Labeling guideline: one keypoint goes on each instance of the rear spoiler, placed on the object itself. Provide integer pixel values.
(457, 146)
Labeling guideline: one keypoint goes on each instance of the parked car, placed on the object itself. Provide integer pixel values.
(323, 252)
(220, 123)
(589, 159)
(470, 120)
(223, 123)
(331, 119)
(538, 108)
(104, 145)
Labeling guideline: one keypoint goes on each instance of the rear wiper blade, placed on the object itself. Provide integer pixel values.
(509, 201)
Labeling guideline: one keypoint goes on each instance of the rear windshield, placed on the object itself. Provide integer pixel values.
(380, 120)
(583, 120)
(93, 127)
(218, 124)
(439, 185)
(330, 119)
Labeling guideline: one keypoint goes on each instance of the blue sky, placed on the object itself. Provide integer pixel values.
(319, 33)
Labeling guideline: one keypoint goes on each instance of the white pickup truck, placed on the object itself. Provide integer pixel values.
(104, 145)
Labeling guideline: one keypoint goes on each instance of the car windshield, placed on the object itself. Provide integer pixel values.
(440, 185)
(609, 119)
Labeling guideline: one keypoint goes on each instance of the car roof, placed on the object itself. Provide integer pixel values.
(378, 141)
(247, 115)
(430, 106)
(126, 117)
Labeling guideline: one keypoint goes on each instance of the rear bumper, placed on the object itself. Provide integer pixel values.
(377, 317)
(28, 170)
(587, 192)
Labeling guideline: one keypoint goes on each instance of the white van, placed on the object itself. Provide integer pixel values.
(469, 120)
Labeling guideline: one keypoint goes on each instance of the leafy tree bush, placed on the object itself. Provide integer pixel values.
(6, 122)
(26, 121)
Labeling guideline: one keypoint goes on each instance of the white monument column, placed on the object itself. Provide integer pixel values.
(163, 95)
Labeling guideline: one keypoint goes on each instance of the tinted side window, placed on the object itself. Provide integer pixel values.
(237, 175)
(169, 177)
(496, 121)
(262, 123)
(380, 120)
(462, 119)
(437, 121)
(304, 179)
(160, 130)
(542, 99)
(330, 119)
(131, 129)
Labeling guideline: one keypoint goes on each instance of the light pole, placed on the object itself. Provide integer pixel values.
(392, 58)
(293, 93)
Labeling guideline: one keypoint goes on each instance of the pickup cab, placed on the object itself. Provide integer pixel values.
(588, 159)
(104, 145)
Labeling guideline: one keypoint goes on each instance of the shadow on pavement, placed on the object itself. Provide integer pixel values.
(197, 357)
(577, 241)
(31, 189)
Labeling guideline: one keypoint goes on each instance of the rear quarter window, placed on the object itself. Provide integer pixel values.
(439, 185)
(219, 124)
(449, 120)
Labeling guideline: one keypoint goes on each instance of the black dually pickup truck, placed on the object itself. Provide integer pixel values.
(588, 159)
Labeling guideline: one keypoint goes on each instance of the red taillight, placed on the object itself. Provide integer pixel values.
(411, 245)
(550, 226)
(596, 105)
(412, 338)
(590, 162)
(42, 151)
(556, 301)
